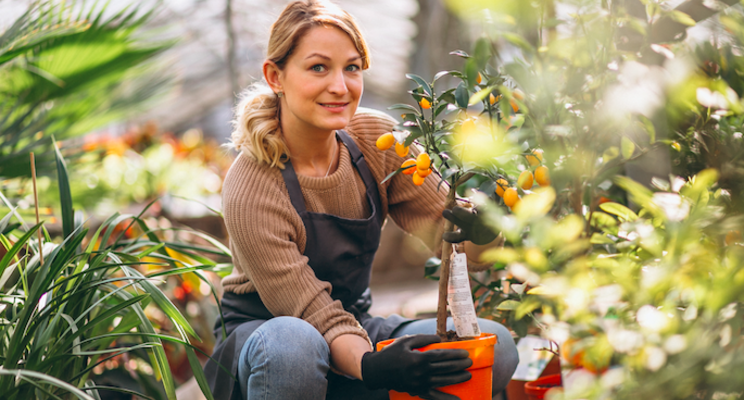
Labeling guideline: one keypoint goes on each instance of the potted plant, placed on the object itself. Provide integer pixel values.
(460, 147)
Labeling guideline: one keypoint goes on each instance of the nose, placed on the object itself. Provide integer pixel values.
(338, 84)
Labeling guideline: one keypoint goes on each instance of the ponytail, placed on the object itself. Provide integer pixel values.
(256, 130)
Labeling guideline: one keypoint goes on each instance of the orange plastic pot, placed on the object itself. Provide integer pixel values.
(480, 385)
(537, 389)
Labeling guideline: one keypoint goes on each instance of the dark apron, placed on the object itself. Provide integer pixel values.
(340, 251)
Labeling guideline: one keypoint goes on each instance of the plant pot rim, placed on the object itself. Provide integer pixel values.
(533, 387)
(484, 339)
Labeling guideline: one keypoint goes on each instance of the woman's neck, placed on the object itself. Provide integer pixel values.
(313, 154)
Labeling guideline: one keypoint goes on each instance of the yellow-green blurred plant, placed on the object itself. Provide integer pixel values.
(635, 270)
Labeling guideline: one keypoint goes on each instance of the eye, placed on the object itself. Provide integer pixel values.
(318, 68)
(352, 68)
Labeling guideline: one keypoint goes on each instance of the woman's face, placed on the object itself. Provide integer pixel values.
(321, 81)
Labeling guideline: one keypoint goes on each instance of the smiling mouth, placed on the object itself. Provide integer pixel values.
(333, 105)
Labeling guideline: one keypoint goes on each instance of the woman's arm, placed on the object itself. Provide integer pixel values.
(346, 354)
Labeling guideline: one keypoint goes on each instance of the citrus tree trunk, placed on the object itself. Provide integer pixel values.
(444, 269)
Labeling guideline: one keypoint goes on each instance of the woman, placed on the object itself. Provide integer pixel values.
(304, 209)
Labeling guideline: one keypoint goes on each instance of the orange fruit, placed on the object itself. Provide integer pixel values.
(519, 95)
(570, 354)
(418, 180)
(501, 185)
(479, 79)
(423, 172)
(401, 150)
(423, 162)
(425, 104)
(535, 158)
(525, 180)
(511, 197)
(385, 141)
(542, 176)
(492, 99)
(409, 163)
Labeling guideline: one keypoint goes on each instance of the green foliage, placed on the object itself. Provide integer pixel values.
(86, 303)
(63, 74)
(639, 276)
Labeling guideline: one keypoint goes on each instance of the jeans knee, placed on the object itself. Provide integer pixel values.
(289, 338)
(284, 358)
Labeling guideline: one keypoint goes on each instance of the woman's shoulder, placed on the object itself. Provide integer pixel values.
(248, 180)
(369, 124)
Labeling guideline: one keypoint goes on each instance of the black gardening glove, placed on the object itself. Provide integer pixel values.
(471, 224)
(400, 368)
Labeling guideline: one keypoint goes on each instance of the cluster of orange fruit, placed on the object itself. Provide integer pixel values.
(576, 356)
(526, 179)
(420, 167)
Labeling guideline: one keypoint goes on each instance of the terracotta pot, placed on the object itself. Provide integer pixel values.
(536, 390)
(515, 389)
(480, 385)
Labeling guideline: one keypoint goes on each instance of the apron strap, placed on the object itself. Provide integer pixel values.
(293, 187)
(358, 159)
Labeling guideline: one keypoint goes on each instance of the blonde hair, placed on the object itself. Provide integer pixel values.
(256, 127)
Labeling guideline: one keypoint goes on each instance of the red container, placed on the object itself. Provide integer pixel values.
(536, 390)
(479, 387)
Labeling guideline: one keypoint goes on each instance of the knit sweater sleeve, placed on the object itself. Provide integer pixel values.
(416, 209)
(267, 238)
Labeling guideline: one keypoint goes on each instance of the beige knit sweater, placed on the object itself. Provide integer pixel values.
(267, 236)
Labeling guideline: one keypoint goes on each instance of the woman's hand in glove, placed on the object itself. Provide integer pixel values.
(471, 224)
(401, 368)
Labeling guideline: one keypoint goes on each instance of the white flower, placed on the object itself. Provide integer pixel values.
(652, 319)
(674, 206)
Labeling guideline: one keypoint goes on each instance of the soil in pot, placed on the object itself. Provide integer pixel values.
(481, 352)
(537, 389)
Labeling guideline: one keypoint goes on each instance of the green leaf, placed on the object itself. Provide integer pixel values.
(405, 107)
(610, 154)
(22, 241)
(682, 18)
(471, 72)
(598, 238)
(441, 74)
(422, 82)
(508, 305)
(28, 375)
(481, 95)
(461, 95)
(392, 174)
(648, 126)
(65, 196)
(199, 373)
(482, 52)
(628, 147)
(459, 53)
(163, 302)
(624, 213)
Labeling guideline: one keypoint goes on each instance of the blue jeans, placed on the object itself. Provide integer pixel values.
(287, 358)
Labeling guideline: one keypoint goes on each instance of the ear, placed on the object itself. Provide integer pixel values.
(272, 74)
